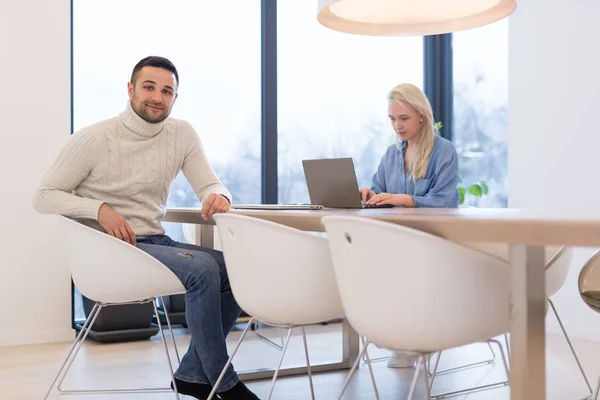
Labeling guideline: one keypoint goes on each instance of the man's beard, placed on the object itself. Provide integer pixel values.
(142, 110)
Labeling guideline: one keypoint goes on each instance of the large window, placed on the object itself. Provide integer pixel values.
(332, 90)
(480, 110)
(330, 97)
(218, 60)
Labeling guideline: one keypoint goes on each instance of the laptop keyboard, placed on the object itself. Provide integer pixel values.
(376, 206)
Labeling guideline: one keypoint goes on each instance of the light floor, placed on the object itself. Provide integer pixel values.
(27, 371)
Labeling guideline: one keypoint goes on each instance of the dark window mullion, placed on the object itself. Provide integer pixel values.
(438, 79)
(269, 176)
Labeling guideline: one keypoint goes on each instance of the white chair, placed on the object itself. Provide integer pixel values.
(279, 276)
(487, 361)
(189, 233)
(558, 262)
(408, 290)
(112, 272)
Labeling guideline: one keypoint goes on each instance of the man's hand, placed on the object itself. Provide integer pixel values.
(215, 203)
(392, 199)
(366, 194)
(115, 224)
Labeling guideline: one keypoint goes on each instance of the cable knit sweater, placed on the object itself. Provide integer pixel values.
(129, 164)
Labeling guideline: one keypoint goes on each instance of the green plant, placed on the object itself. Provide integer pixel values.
(477, 189)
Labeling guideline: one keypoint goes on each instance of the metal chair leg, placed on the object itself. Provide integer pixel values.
(427, 384)
(504, 362)
(482, 387)
(463, 367)
(312, 389)
(237, 346)
(266, 339)
(370, 367)
(437, 363)
(78, 342)
(587, 382)
(382, 358)
(170, 331)
(595, 395)
(77, 346)
(353, 369)
(285, 345)
(164, 340)
(507, 346)
(74, 349)
(413, 384)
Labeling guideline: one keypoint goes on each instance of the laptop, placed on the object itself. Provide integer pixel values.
(332, 183)
(277, 206)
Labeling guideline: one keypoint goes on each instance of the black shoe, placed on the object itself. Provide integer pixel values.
(238, 392)
(200, 391)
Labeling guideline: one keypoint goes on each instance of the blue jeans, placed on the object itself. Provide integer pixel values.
(210, 308)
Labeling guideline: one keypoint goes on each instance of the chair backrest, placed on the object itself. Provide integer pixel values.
(110, 270)
(406, 289)
(278, 274)
(589, 282)
(558, 263)
(557, 258)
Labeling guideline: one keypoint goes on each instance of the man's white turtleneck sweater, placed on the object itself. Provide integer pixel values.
(129, 164)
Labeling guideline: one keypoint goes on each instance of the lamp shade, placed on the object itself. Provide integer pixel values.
(410, 17)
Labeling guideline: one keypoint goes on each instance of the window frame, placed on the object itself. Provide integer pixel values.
(438, 85)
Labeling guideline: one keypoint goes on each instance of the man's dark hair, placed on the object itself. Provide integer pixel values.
(154, 61)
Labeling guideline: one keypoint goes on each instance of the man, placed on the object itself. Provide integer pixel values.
(115, 176)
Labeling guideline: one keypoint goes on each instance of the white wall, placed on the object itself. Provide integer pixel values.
(554, 137)
(35, 291)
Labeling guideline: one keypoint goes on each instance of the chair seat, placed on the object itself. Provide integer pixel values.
(308, 320)
(109, 272)
(141, 293)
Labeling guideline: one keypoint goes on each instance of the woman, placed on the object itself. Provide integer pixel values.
(421, 169)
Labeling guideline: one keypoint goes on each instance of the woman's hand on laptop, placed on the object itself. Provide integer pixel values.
(366, 194)
(402, 200)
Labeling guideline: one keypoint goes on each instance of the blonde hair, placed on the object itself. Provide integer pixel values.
(411, 95)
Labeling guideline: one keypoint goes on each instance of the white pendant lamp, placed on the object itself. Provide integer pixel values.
(410, 17)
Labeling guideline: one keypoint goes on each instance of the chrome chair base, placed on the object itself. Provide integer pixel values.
(593, 395)
(283, 351)
(564, 331)
(266, 339)
(463, 367)
(363, 353)
(422, 364)
(475, 388)
(80, 339)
